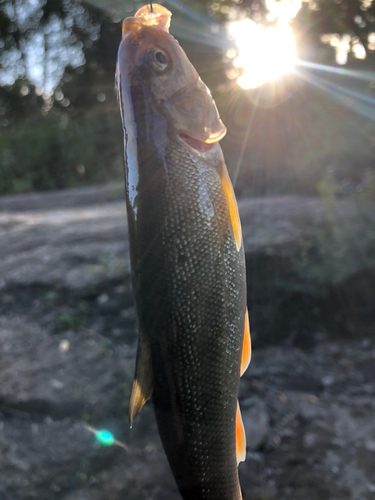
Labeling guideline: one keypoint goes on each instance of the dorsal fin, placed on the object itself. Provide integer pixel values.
(246, 349)
(143, 379)
(240, 437)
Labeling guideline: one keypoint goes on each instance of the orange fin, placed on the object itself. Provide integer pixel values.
(232, 207)
(246, 349)
(143, 380)
(240, 437)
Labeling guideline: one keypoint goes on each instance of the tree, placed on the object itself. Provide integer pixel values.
(57, 65)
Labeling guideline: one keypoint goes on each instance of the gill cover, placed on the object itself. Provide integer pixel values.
(180, 93)
(193, 112)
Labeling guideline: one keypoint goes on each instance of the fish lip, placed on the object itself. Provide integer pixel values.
(195, 143)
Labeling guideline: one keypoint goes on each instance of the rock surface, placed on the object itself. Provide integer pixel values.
(51, 244)
(67, 348)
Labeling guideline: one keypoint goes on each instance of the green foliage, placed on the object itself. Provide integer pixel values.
(73, 137)
(340, 247)
(56, 152)
(67, 321)
(352, 17)
(51, 296)
(76, 318)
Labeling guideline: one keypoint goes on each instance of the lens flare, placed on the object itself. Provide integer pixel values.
(104, 437)
(264, 53)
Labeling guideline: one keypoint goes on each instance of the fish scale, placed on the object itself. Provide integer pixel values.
(187, 259)
(195, 299)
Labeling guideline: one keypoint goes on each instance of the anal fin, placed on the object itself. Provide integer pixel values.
(246, 349)
(245, 361)
(240, 437)
(143, 379)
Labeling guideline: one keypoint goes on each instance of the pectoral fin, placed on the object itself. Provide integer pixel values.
(246, 349)
(234, 216)
(240, 437)
(143, 380)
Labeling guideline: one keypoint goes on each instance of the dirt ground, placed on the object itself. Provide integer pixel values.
(67, 348)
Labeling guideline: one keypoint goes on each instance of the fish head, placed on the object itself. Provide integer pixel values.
(150, 58)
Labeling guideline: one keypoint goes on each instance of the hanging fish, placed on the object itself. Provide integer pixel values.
(187, 260)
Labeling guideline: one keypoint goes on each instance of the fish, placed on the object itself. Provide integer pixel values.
(187, 260)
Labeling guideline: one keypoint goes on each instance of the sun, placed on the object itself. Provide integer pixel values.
(264, 53)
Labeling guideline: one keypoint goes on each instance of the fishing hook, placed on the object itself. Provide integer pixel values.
(151, 8)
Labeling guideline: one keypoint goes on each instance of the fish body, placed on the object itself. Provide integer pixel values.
(187, 260)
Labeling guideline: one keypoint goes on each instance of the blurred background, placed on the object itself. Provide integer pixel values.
(294, 82)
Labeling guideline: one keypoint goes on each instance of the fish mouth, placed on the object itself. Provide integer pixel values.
(195, 143)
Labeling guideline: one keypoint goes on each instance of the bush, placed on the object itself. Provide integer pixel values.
(56, 152)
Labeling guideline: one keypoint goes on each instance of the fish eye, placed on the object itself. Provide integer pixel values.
(161, 57)
(157, 59)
